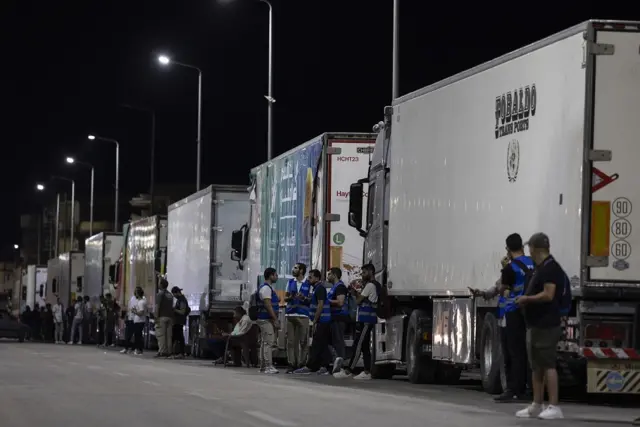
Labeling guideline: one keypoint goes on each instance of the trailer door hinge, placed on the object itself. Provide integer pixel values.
(597, 261)
(219, 229)
(334, 151)
(330, 217)
(592, 48)
(600, 155)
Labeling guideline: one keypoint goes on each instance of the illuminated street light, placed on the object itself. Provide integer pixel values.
(91, 137)
(40, 187)
(164, 60)
(16, 247)
(117, 144)
(70, 160)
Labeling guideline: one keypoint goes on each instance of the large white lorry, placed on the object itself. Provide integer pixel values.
(141, 264)
(34, 279)
(65, 276)
(101, 253)
(198, 257)
(545, 138)
(299, 212)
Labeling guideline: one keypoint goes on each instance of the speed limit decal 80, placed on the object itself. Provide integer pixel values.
(621, 230)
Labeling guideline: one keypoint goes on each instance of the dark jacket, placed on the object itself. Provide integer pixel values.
(164, 303)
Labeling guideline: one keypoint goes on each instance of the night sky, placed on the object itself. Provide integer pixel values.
(67, 66)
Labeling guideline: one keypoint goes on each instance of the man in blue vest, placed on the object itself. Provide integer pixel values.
(297, 313)
(268, 305)
(320, 314)
(516, 267)
(339, 315)
(366, 319)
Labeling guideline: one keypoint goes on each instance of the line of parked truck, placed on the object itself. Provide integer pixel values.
(545, 138)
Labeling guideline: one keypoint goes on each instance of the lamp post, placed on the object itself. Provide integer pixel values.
(113, 141)
(41, 187)
(71, 161)
(153, 146)
(73, 204)
(165, 60)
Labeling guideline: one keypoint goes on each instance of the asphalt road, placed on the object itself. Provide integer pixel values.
(46, 384)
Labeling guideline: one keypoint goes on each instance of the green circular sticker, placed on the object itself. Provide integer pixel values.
(338, 238)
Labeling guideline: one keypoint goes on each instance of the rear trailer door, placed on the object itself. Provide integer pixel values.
(615, 189)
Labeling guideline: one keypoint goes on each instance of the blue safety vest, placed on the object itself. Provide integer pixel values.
(325, 316)
(263, 314)
(339, 311)
(295, 306)
(367, 312)
(507, 305)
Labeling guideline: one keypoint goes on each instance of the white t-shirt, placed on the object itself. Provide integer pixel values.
(57, 313)
(141, 310)
(299, 285)
(132, 303)
(370, 292)
(265, 293)
(78, 308)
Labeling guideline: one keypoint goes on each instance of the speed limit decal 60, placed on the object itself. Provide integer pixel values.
(621, 249)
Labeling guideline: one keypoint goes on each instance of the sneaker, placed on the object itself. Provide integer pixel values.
(337, 365)
(112, 345)
(271, 370)
(70, 343)
(362, 376)
(302, 371)
(137, 353)
(341, 374)
(531, 411)
(291, 369)
(551, 412)
(124, 351)
(323, 371)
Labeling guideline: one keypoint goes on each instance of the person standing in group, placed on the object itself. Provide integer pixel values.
(76, 324)
(58, 322)
(47, 324)
(340, 315)
(366, 319)
(541, 304)
(181, 314)
(320, 314)
(139, 319)
(128, 325)
(88, 320)
(297, 313)
(164, 316)
(110, 317)
(268, 305)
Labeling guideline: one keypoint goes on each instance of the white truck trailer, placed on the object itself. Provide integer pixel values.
(65, 276)
(101, 252)
(199, 246)
(34, 278)
(299, 212)
(143, 261)
(542, 139)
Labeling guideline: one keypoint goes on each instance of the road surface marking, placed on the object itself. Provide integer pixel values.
(266, 417)
(202, 395)
(151, 383)
(121, 374)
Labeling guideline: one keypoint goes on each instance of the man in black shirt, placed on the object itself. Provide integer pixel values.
(180, 310)
(541, 304)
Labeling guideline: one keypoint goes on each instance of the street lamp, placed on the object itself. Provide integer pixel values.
(41, 187)
(71, 161)
(16, 247)
(73, 204)
(165, 60)
(113, 141)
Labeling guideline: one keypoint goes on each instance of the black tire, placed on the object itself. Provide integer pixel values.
(492, 369)
(420, 369)
(380, 372)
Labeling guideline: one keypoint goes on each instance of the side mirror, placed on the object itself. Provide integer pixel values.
(239, 244)
(41, 292)
(355, 205)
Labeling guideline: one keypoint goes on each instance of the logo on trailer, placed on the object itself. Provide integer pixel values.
(621, 265)
(365, 150)
(614, 381)
(338, 239)
(514, 109)
(348, 158)
(513, 160)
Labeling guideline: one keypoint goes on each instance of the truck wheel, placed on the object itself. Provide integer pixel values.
(492, 369)
(380, 372)
(420, 369)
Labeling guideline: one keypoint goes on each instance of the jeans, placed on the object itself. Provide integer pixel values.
(164, 332)
(267, 341)
(178, 339)
(128, 334)
(319, 346)
(76, 326)
(137, 334)
(514, 352)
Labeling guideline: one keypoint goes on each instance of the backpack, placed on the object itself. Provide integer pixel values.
(383, 310)
(187, 309)
(253, 305)
(566, 298)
